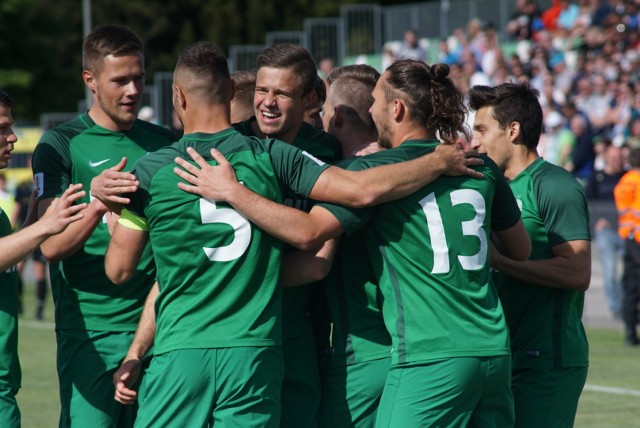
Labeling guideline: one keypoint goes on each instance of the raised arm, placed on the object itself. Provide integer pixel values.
(60, 214)
(390, 182)
(298, 228)
(73, 238)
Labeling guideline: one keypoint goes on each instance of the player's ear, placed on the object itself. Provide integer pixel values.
(514, 131)
(338, 116)
(310, 99)
(399, 110)
(89, 80)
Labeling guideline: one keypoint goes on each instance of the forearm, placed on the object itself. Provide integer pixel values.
(146, 332)
(63, 245)
(571, 273)
(304, 267)
(123, 254)
(287, 224)
(376, 185)
(15, 247)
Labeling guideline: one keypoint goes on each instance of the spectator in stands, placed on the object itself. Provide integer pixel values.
(524, 22)
(557, 142)
(411, 48)
(583, 155)
(604, 220)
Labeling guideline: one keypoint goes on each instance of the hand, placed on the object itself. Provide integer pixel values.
(62, 211)
(124, 378)
(208, 181)
(457, 160)
(367, 149)
(112, 220)
(111, 183)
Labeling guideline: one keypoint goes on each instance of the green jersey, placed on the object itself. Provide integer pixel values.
(430, 252)
(327, 148)
(75, 152)
(218, 274)
(355, 303)
(551, 217)
(10, 375)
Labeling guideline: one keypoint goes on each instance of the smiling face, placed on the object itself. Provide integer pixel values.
(117, 90)
(278, 103)
(7, 136)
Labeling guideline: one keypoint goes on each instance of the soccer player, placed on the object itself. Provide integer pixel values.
(354, 369)
(13, 249)
(542, 296)
(451, 363)
(286, 72)
(95, 320)
(286, 92)
(219, 300)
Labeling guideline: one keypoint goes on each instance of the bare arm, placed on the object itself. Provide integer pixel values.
(569, 268)
(391, 182)
(302, 230)
(60, 214)
(515, 242)
(304, 267)
(123, 254)
(127, 374)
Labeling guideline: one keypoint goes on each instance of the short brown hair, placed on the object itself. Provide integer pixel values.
(293, 57)
(108, 40)
(204, 68)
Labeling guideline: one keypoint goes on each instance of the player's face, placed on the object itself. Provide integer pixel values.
(489, 138)
(278, 103)
(380, 114)
(7, 136)
(117, 90)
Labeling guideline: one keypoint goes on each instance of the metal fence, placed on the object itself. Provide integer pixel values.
(363, 29)
(359, 30)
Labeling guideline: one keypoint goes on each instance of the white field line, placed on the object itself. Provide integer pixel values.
(612, 390)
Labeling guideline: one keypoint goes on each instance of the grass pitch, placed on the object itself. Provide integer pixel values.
(610, 398)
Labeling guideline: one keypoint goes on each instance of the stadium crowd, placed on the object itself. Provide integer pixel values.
(237, 330)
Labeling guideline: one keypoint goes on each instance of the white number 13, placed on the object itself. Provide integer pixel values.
(471, 227)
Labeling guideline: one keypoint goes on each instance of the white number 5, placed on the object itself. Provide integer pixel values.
(471, 227)
(241, 227)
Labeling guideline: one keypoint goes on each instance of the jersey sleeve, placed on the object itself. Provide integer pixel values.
(565, 212)
(51, 165)
(505, 212)
(351, 219)
(296, 169)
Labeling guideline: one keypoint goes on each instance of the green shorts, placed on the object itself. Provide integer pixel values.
(301, 385)
(547, 397)
(223, 387)
(9, 412)
(86, 363)
(457, 392)
(351, 394)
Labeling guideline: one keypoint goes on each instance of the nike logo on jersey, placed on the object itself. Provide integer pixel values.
(95, 164)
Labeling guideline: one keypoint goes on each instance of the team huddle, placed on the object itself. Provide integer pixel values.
(357, 267)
